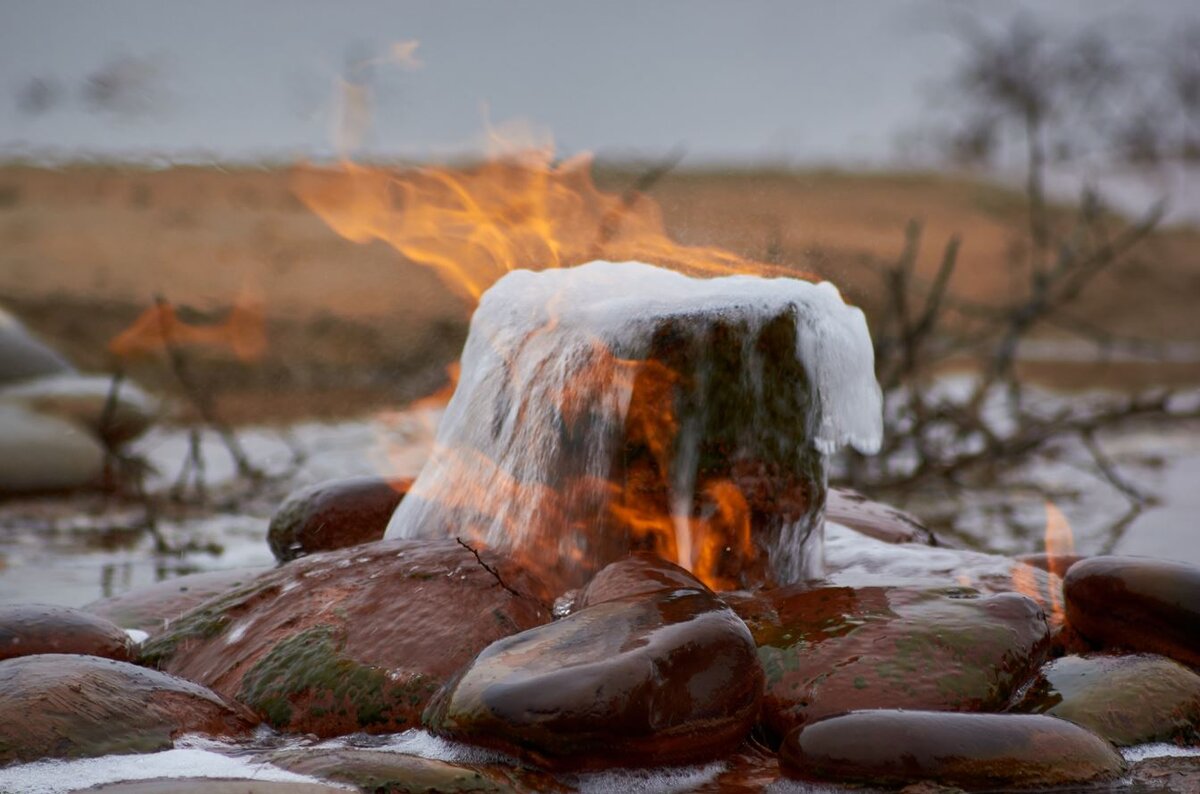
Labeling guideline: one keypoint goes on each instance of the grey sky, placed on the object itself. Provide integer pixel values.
(799, 81)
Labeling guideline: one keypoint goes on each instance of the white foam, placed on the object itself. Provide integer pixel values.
(425, 745)
(59, 777)
(1159, 750)
(663, 780)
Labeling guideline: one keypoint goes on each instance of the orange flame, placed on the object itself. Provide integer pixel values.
(159, 328)
(1059, 545)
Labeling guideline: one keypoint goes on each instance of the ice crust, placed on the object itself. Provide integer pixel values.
(537, 341)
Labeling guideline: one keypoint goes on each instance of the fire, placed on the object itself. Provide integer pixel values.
(1059, 545)
(159, 329)
(523, 209)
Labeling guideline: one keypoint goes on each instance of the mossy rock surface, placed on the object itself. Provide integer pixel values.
(351, 640)
(837, 649)
(154, 608)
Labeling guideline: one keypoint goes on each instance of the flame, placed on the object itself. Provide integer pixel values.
(159, 328)
(1059, 544)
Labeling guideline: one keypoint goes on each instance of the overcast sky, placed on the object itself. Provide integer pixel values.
(802, 82)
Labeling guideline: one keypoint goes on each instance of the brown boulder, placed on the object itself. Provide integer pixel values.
(837, 649)
(334, 515)
(69, 706)
(973, 751)
(662, 678)
(28, 629)
(880, 521)
(640, 574)
(1137, 603)
(152, 609)
(1126, 699)
(351, 640)
(388, 772)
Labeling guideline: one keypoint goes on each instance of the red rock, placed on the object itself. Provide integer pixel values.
(973, 751)
(334, 515)
(838, 649)
(29, 629)
(642, 573)
(372, 770)
(663, 678)
(1137, 603)
(70, 706)
(880, 521)
(350, 640)
(152, 609)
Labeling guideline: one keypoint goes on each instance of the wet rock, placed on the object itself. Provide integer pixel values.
(386, 772)
(45, 453)
(1125, 699)
(29, 629)
(973, 751)
(662, 678)
(1057, 564)
(351, 640)
(333, 515)
(1137, 603)
(880, 521)
(1166, 775)
(68, 706)
(175, 785)
(754, 608)
(23, 356)
(951, 649)
(640, 574)
(154, 608)
(88, 401)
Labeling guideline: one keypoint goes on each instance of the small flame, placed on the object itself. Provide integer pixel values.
(159, 328)
(1059, 545)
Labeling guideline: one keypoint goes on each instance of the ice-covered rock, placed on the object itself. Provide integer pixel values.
(619, 406)
(23, 356)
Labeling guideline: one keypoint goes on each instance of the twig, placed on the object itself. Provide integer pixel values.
(496, 575)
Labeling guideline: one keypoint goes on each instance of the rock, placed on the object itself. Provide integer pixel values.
(974, 751)
(386, 772)
(68, 706)
(1166, 775)
(1137, 603)
(1125, 699)
(351, 640)
(45, 453)
(152, 609)
(333, 515)
(1057, 564)
(200, 785)
(882, 522)
(642, 573)
(29, 629)
(838, 648)
(754, 608)
(84, 401)
(663, 678)
(22, 356)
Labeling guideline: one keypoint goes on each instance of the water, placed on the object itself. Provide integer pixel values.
(619, 403)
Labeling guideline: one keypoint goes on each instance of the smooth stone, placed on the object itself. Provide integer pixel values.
(1126, 699)
(640, 574)
(972, 751)
(45, 453)
(351, 640)
(29, 629)
(754, 608)
(394, 773)
(202, 785)
(68, 706)
(880, 521)
(1166, 775)
(334, 515)
(838, 649)
(154, 608)
(656, 679)
(1137, 603)
(84, 401)
(23, 356)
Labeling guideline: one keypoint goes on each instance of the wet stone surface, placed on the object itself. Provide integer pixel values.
(1138, 604)
(971, 751)
(69, 706)
(334, 514)
(350, 640)
(393, 773)
(1126, 699)
(880, 521)
(154, 608)
(30, 629)
(175, 785)
(659, 678)
(951, 649)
